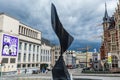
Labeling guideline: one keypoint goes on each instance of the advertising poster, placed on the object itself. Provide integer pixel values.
(9, 45)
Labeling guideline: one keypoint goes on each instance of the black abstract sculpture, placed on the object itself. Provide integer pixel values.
(59, 71)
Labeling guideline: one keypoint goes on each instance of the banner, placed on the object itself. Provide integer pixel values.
(109, 58)
(9, 45)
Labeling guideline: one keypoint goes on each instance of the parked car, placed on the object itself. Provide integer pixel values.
(86, 69)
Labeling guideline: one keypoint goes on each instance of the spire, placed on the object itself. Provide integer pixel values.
(106, 17)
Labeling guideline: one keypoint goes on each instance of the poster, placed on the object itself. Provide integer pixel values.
(9, 45)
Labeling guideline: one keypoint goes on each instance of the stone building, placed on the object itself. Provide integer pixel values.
(21, 48)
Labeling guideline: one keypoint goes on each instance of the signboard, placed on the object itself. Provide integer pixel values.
(9, 45)
(109, 58)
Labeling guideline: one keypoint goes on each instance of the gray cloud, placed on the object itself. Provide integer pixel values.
(79, 17)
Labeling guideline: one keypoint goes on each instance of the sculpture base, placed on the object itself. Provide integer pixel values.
(59, 71)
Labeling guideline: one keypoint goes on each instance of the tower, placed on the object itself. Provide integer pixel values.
(106, 19)
(106, 23)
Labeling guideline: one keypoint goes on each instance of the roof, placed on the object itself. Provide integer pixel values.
(106, 17)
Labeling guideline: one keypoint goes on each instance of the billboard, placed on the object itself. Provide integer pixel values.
(9, 45)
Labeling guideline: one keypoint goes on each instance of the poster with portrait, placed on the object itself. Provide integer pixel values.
(9, 45)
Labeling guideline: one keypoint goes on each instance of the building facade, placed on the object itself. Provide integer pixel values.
(96, 62)
(29, 50)
(55, 54)
(20, 47)
(70, 59)
(111, 37)
(45, 54)
(84, 59)
(68, 56)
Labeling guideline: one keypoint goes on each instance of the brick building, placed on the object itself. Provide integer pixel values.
(111, 37)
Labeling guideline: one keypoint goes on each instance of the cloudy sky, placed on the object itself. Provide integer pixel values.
(81, 18)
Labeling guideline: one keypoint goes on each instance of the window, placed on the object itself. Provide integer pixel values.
(44, 51)
(20, 45)
(33, 57)
(4, 60)
(24, 65)
(29, 47)
(119, 26)
(41, 58)
(55, 57)
(31, 33)
(12, 60)
(55, 53)
(22, 30)
(37, 48)
(95, 59)
(28, 65)
(37, 57)
(18, 66)
(19, 56)
(113, 47)
(27, 32)
(29, 57)
(41, 51)
(46, 58)
(24, 57)
(36, 65)
(33, 65)
(96, 66)
(33, 48)
(113, 37)
(25, 47)
(19, 29)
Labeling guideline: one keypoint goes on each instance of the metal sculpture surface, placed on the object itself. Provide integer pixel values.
(59, 71)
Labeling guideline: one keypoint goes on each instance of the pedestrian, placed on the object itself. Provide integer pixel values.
(25, 71)
(43, 70)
